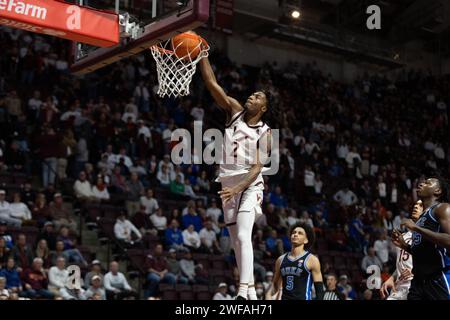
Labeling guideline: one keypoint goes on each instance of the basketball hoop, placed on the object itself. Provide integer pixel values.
(176, 65)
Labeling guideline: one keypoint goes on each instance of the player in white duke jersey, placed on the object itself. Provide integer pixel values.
(400, 281)
(245, 151)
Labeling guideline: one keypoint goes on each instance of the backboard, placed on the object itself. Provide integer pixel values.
(143, 23)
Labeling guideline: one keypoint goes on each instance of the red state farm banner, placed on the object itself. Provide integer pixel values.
(62, 20)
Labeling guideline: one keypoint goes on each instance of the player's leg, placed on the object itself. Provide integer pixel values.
(415, 291)
(245, 220)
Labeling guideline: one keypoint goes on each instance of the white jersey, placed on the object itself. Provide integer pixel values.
(404, 261)
(240, 145)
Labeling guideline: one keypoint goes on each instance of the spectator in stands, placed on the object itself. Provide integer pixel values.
(157, 271)
(203, 183)
(60, 214)
(4, 253)
(381, 247)
(345, 197)
(174, 237)
(48, 233)
(135, 191)
(100, 191)
(118, 181)
(82, 188)
(58, 276)
(192, 218)
(19, 210)
(22, 253)
(177, 186)
(190, 269)
(10, 273)
(277, 198)
(5, 211)
(116, 285)
(356, 232)
(208, 239)
(163, 176)
(49, 150)
(5, 235)
(4, 293)
(191, 238)
(126, 233)
(74, 293)
(96, 290)
(274, 244)
(96, 270)
(159, 221)
(142, 221)
(28, 195)
(268, 280)
(332, 292)
(173, 267)
(41, 211)
(149, 202)
(221, 293)
(43, 252)
(66, 247)
(69, 145)
(345, 288)
(367, 295)
(35, 281)
(370, 259)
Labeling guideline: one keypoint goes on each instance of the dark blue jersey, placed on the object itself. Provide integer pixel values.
(429, 259)
(297, 279)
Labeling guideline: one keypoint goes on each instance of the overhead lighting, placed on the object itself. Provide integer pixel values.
(295, 14)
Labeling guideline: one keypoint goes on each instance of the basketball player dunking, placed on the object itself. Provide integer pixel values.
(400, 281)
(242, 181)
(295, 271)
(430, 244)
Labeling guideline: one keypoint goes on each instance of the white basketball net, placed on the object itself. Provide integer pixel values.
(175, 73)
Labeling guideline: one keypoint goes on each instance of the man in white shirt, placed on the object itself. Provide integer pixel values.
(124, 230)
(83, 188)
(345, 197)
(197, 113)
(213, 212)
(149, 202)
(159, 221)
(381, 247)
(19, 210)
(116, 285)
(209, 239)
(191, 238)
(57, 276)
(221, 293)
(143, 129)
(5, 211)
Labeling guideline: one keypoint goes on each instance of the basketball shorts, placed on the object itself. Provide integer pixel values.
(401, 291)
(246, 202)
(434, 288)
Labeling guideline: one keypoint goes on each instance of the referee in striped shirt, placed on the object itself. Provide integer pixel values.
(332, 293)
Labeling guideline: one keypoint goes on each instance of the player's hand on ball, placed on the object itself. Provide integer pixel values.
(226, 194)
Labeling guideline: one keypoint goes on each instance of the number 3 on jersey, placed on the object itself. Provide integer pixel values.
(289, 283)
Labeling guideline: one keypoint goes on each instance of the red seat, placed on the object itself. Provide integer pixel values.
(169, 295)
(203, 295)
(200, 288)
(183, 287)
(186, 295)
(166, 287)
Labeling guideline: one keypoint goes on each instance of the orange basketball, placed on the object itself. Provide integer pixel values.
(187, 43)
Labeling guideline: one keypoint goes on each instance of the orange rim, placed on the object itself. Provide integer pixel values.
(183, 35)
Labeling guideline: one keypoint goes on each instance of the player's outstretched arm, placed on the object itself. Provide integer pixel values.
(442, 213)
(229, 104)
(313, 264)
(277, 282)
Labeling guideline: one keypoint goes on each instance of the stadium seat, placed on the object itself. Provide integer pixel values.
(186, 295)
(183, 287)
(204, 295)
(169, 295)
(200, 288)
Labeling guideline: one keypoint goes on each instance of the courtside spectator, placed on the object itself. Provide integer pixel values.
(221, 293)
